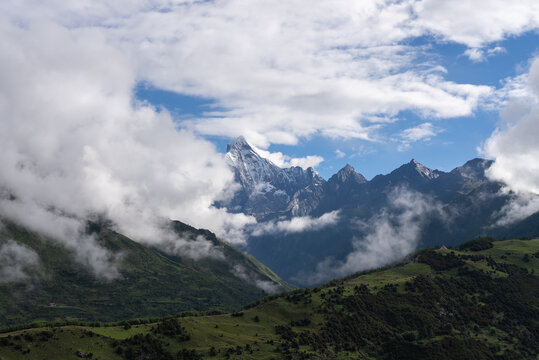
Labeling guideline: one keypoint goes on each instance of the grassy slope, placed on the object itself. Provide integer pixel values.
(152, 284)
(443, 305)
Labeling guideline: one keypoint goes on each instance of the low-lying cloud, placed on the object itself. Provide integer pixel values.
(519, 207)
(269, 287)
(18, 263)
(193, 247)
(296, 224)
(390, 235)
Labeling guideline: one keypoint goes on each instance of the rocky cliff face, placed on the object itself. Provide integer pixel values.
(267, 189)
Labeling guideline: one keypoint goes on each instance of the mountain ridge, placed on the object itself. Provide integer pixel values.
(268, 191)
(458, 204)
(152, 283)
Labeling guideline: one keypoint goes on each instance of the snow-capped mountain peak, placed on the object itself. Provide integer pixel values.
(250, 167)
(238, 144)
(348, 173)
(265, 186)
(424, 171)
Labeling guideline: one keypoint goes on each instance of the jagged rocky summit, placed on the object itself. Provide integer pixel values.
(268, 191)
(265, 187)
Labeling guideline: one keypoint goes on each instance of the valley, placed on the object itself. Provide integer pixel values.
(479, 300)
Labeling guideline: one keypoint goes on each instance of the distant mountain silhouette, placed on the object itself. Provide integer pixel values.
(469, 200)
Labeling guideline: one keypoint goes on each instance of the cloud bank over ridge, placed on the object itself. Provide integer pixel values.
(74, 145)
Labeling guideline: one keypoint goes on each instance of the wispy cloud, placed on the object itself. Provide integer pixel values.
(480, 55)
(297, 224)
(269, 287)
(339, 154)
(390, 235)
(423, 132)
(18, 263)
(285, 161)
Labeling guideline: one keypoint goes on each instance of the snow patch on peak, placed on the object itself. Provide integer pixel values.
(423, 170)
(474, 169)
(347, 173)
(266, 187)
(238, 144)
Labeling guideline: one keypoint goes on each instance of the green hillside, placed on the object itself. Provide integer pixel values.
(153, 284)
(478, 302)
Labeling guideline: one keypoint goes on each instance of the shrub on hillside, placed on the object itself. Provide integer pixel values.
(477, 244)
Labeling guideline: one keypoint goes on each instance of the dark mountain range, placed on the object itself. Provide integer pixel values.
(152, 283)
(444, 206)
(268, 191)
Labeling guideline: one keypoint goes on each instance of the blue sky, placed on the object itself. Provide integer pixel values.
(457, 139)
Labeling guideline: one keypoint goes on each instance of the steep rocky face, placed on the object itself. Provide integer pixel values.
(412, 174)
(350, 190)
(265, 187)
(251, 169)
(347, 176)
(471, 173)
(269, 191)
(465, 180)
(342, 188)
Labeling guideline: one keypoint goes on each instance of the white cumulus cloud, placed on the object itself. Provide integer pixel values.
(514, 144)
(515, 148)
(282, 71)
(422, 132)
(476, 23)
(74, 145)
